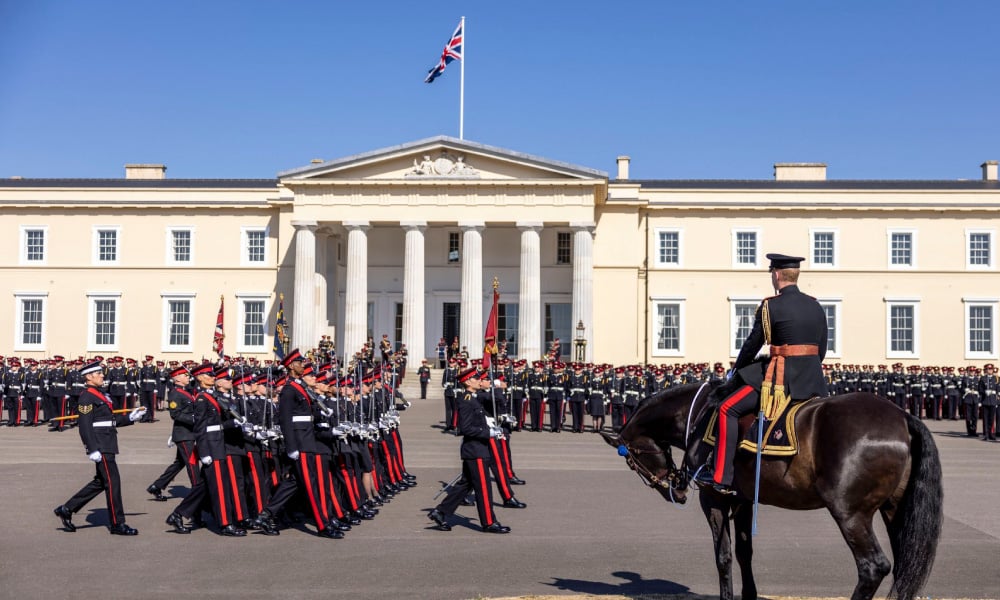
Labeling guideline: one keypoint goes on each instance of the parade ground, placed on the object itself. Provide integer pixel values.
(590, 528)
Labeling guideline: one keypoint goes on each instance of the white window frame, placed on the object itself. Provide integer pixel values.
(993, 303)
(733, 326)
(170, 258)
(760, 242)
(913, 250)
(19, 298)
(968, 250)
(245, 246)
(166, 298)
(242, 297)
(680, 248)
(92, 299)
(889, 304)
(96, 245)
(24, 244)
(838, 305)
(655, 302)
(812, 248)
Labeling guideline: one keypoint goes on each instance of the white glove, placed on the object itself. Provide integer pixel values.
(491, 422)
(170, 442)
(729, 374)
(137, 414)
(206, 460)
(247, 428)
(95, 456)
(294, 455)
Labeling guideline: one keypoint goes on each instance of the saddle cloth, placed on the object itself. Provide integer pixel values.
(779, 436)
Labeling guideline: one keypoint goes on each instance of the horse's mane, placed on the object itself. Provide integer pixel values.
(717, 390)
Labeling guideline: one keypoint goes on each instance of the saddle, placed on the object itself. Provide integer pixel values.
(779, 435)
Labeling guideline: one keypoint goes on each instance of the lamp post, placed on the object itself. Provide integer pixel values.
(581, 342)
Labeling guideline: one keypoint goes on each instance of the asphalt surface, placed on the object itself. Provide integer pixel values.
(590, 528)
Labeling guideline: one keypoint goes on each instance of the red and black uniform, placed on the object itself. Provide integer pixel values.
(476, 461)
(180, 403)
(216, 478)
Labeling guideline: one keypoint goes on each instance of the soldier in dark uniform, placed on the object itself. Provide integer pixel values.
(897, 386)
(935, 392)
(424, 376)
(148, 376)
(556, 385)
(98, 431)
(180, 403)
(475, 454)
(951, 394)
(57, 393)
(13, 385)
(882, 382)
(989, 387)
(33, 390)
(969, 384)
(794, 324)
(616, 393)
(915, 391)
(449, 384)
(537, 384)
(598, 397)
(633, 390)
(579, 388)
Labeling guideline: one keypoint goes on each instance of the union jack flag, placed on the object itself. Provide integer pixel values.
(452, 50)
(220, 336)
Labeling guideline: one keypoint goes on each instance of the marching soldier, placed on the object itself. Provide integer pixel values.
(180, 403)
(449, 383)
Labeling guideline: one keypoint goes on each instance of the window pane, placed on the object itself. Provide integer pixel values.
(823, 248)
(31, 321)
(669, 247)
(901, 328)
(746, 247)
(104, 322)
(668, 327)
(34, 244)
(398, 328)
(744, 314)
(253, 323)
(558, 324)
(182, 246)
(831, 327)
(981, 329)
(107, 245)
(507, 318)
(256, 240)
(453, 255)
(902, 249)
(979, 249)
(563, 248)
(180, 322)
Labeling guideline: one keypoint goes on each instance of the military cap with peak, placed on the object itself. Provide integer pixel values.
(782, 261)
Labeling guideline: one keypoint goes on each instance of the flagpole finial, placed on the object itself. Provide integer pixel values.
(496, 283)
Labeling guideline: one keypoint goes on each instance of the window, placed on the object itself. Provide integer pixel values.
(832, 310)
(252, 320)
(453, 246)
(980, 328)
(398, 327)
(30, 326)
(559, 324)
(254, 251)
(979, 249)
(33, 245)
(668, 248)
(743, 313)
(103, 321)
(507, 319)
(564, 248)
(902, 320)
(902, 246)
(180, 245)
(106, 241)
(668, 322)
(371, 321)
(824, 248)
(746, 248)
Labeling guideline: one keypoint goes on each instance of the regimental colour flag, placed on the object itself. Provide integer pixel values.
(490, 336)
(452, 51)
(220, 335)
(279, 330)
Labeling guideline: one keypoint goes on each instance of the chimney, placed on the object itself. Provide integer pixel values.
(800, 171)
(623, 167)
(145, 171)
(316, 161)
(989, 170)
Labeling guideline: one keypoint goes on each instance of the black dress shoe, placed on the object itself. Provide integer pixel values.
(409, 477)
(157, 493)
(513, 503)
(231, 531)
(439, 518)
(66, 516)
(267, 526)
(177, 522)
(248, 524)
(330, 532)
(516, 481)
(496, 528)
(123, 529)
(338, 524)
(353, 520)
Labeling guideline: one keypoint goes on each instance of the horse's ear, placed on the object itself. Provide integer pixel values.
(611, 438)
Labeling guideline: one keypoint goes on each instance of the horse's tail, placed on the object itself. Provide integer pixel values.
(916, 525)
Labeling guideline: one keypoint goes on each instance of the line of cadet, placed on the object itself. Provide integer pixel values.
(261, 448)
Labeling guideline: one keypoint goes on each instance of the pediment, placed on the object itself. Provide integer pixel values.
(441, 159)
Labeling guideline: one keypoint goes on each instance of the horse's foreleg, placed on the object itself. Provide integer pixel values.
(872, 563)
(743, 523)
(717, 513)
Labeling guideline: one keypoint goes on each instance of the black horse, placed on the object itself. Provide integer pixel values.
(858, 454)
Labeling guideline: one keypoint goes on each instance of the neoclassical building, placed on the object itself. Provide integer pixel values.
(408, 240)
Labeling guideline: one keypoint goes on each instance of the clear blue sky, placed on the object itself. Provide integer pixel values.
(226, 88)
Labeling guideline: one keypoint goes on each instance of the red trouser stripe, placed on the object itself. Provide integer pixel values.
(223, 516)
(322, 487)
(720, 443)
(256, 483)
(399, 451)
(333, 496)
(505, 454)
(348, 483)
(485, 496)
(192, 472)
(274, 472)
(309, 490)
(236, 490)
(110, 490)
(501, 481)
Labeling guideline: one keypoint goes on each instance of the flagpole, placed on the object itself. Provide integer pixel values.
(461, 87)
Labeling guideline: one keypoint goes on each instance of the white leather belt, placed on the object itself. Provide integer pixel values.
(103, 424)
(214, 428)
(302, 419)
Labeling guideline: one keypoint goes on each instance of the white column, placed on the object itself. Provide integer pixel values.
(356, 292)
(322, 248)
(471, 325)
(303, 307)
(529, 314)
(413, 291)
(583, 283)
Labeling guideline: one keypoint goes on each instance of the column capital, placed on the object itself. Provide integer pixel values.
(583, 226)
(310, 225)
(530, 225)
(413, 225)
(472, 225)
(356, 225)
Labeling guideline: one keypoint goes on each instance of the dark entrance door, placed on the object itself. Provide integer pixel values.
(451, 321)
